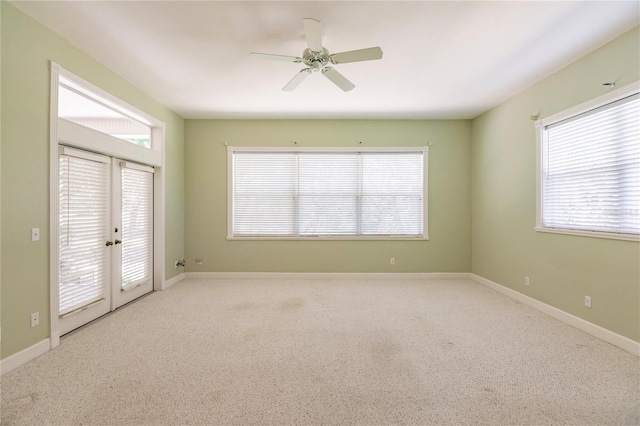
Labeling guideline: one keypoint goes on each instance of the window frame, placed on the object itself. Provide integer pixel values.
(541, 124)
(424, 150)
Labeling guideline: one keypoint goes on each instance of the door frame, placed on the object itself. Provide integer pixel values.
(113, 147)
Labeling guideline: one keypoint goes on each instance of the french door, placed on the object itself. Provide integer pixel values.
(106, 235)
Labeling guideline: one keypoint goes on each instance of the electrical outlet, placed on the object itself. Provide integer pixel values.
(392, 261)
(35, 319)
(587, 301)
(526, 280)
(199, 261)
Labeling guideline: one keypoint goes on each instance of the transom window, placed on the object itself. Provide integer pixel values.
(81, 106)
(312, 192)
(590, 168)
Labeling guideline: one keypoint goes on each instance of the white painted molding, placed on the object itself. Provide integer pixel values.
(54, 211)
(89, 139)
(329, 275)
(20, 358)
(567, 318)
(175, 280)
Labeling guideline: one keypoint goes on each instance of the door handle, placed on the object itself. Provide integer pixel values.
(108, 243)
(117, 242)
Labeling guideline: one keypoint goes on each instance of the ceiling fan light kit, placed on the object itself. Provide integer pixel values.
(318, 59)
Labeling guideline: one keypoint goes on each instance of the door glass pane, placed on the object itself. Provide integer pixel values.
(137, 227)
(84, 207)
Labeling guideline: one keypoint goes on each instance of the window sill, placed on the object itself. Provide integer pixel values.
(327, 238)
(593, 234)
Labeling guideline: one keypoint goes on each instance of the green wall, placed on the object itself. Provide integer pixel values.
(448, 249)
(27, 48)
(505, 246)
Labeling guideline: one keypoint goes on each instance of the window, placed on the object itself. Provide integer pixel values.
(301, 193)
(590, 168)
(81, 106)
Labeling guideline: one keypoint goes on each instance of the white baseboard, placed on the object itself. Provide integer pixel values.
(19, 358)
(567, 318)
(328, 275)
(175, 280)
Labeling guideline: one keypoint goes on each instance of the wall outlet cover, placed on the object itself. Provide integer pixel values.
(35, 319)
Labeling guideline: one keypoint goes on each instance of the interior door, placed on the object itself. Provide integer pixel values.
(105, 235)
(133, 232)
(84, 237)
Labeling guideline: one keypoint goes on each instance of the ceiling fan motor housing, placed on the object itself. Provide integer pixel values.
(315, 60)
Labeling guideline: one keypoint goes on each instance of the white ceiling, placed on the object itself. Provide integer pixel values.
(441, 59)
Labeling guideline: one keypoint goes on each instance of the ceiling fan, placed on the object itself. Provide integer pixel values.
(318, 59)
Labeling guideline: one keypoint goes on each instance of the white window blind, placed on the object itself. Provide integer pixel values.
(137, 225)
(327, 193)
(84, 229)
(392, 186)
(591, 170)
(264, 193)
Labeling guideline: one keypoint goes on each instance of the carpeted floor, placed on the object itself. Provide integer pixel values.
(314, 352)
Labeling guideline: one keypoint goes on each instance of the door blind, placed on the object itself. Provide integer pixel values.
(137, 225)
(84, 229)
(591, 170)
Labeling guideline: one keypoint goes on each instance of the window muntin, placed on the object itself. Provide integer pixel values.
(590, 170)
(327, 193)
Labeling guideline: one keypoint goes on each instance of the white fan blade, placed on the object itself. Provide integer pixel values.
(313, 33)
(295, 81)
(338, 79)
(270, 57)
(357, 55)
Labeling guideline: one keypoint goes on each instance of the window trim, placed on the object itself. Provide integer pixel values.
(425, 190)
(607, 98)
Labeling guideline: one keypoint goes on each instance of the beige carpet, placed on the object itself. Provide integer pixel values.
(313, 352)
